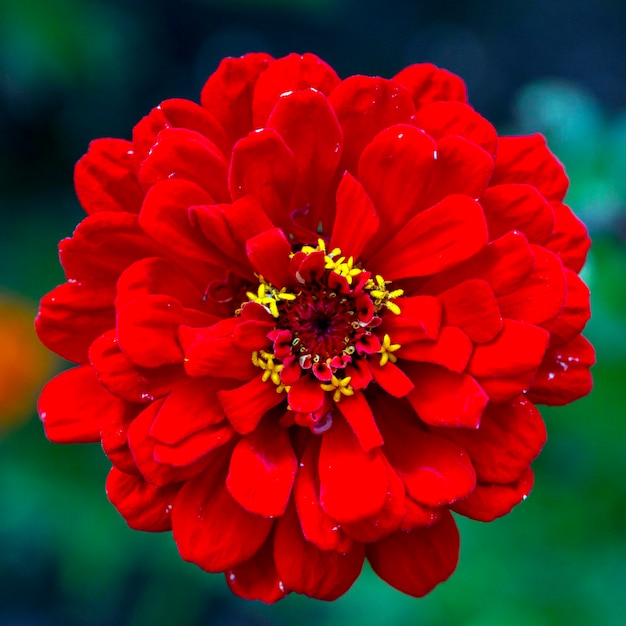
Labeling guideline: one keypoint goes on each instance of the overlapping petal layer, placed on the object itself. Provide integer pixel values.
(311, 317)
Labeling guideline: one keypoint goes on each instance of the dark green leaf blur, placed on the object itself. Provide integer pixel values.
(74, 70)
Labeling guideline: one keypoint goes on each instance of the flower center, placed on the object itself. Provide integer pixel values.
(326, 321)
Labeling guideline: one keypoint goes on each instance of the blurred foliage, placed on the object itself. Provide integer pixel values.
(72, 70)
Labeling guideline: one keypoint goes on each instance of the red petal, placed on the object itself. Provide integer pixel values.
(291, 73)
(72, 315)
(518, 348)
(246, 218)
(503, 263)
(306, 569)
(246, 405)
(517, 207)
(194, 448)
(307, 123)
(427, 83)
(114, 436)
(444, 398)
(574, 315)
(528, 160)
(194, 399)
(103, 245)
(417, 561)
(146, 330)
(257, 578)
(461, 167)
(126, 380)
(306, 395)
(227, 94)
(165, 217)
(211, 351)
(443, 119)
(105, 178)
(143, 506)
(510, 437)
(366, 105)
(391, 378)
(435, 471)
(541, 295)
(488, 501)
(262, 470)
(353, 483)
(433, 240)
(317, 526)
(419, 319)
(356, 221)
(388, 519)
(186, 154)
(395, 168)
(263, 165)
(452, 349)
(210, 528)
(73, 404)
(564, 374)
(142, 447)
(177, 113)
(358, 414)
(268, 253)
(569, 239)
(472, 306)
(419, 516)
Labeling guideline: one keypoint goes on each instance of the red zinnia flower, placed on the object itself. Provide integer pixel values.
(312, 318)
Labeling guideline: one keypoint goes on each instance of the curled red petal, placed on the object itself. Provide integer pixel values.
(73, 404)
(564, 374)
(103, 245)
(460, 167)
(257, 578)
(228, 92)
(268, 253)
(177, 113)
(353, 483)
(246, 405)
(356, 219)
(395, 169)
(73, 315)
(510, 437)
(528, 160)
(434, 240)
(472, 306)
(435, 471)
(293, 72)
(358, 414)
(364, 106)
(541, 295)
(188, 155)
(452, 349)
(317, 526)
(489, 501)
(428, 83)
(106, 179)
(262, 470)
(445, 398)
(569, 238)
(304, 568)
(517, 206)
(210, 529)
(444, 119)
(144, 506)
(419, 319)
(417, 561)
(391, 378)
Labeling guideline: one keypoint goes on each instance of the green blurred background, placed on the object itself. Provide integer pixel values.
(73, 70)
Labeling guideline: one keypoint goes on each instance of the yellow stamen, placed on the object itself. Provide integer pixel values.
(386, 351)
(339, 386)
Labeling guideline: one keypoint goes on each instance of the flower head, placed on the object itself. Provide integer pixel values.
(312, 317)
